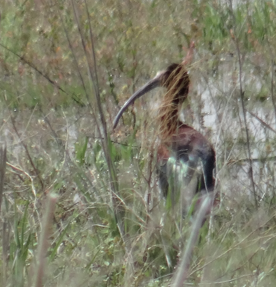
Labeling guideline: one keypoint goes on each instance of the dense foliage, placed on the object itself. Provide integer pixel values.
(66, 67)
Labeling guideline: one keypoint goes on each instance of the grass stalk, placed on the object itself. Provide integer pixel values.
(181, 272)
(44, 240)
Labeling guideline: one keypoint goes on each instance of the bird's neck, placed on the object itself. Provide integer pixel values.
(168, 122)
(176, 81)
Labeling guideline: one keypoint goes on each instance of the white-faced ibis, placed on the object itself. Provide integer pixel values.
(180, 145)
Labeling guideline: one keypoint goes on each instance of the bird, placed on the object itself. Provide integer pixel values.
(181, 146)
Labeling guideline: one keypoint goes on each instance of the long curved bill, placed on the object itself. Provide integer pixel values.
(150, 85)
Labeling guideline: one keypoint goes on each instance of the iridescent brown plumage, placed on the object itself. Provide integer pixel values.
(178, 141)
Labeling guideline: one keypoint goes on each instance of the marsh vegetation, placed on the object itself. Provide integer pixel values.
(66, 68)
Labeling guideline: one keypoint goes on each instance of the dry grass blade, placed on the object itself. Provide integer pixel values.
(241, 92)
(104, 138)
(3, 160)
(43, 244)
(28, 154)
(182, 271)
(262, 122)
(45, 76)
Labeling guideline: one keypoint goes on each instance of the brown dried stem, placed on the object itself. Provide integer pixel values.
(44, 243)
(28, 154)
(236, 42)
(3, 160)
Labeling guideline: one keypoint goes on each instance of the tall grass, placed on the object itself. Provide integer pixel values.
(66, 67)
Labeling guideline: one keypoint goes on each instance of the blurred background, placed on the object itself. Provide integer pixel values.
(66, 68)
